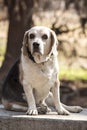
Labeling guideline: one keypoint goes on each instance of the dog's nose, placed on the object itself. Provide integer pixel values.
(36, 45)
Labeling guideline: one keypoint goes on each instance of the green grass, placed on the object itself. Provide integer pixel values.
(2, 49)
(73, 73)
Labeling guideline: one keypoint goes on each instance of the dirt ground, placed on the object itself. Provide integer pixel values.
(74, 92)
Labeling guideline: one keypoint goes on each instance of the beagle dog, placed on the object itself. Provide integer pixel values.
(32, 84)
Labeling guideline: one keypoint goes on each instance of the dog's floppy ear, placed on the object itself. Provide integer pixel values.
(54, 43)
(25, 43)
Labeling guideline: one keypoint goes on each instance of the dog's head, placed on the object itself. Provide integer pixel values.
(41, 43)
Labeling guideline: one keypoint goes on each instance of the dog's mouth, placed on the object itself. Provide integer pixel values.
(37, 56)
(37, 50)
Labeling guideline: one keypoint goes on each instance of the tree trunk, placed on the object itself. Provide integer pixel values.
(20, 20)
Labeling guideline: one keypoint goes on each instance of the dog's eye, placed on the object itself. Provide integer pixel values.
(32, 36)
(44, 37)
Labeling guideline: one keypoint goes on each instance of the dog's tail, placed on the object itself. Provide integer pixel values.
(73, 109)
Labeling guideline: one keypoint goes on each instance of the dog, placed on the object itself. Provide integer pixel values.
(32, 84)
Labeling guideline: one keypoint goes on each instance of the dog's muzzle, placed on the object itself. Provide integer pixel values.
(36, 47)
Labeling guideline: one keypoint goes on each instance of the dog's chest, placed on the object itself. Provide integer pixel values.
(41, 77)
(38, 74)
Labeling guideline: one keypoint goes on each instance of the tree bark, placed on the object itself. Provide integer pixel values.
(20, 19)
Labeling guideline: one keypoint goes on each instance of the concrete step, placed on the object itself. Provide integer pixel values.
(10, 120)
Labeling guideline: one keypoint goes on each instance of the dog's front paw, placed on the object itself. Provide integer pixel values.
(62, 111)
(32, 112)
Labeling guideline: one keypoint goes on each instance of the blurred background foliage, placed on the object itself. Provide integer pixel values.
(68, 18)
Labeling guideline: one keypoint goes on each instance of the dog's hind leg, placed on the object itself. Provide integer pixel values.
(73, 109)
(14, 106)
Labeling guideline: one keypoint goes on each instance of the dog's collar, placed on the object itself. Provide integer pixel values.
(30, 56)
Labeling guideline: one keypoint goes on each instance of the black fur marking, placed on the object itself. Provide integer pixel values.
(30, 56)
(12, 89)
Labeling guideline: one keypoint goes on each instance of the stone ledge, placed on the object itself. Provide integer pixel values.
(10, 120)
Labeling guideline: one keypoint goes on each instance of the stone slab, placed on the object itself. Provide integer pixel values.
(10, 120)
